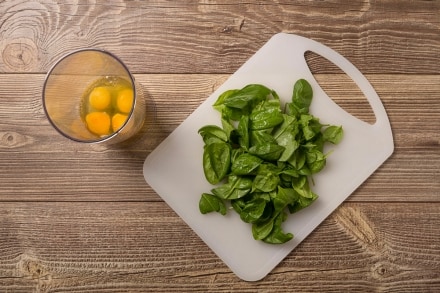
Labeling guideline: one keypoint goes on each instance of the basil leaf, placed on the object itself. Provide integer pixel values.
(289, 125)
(302, 96)
(310, 126)
(290, 172)
(260, 137)
(287, 140)
(315, 160)
(266, 155)
(253, 210)
(216, 161)
(240, 182)
(284, 197)
(243, 131)
(247, 97)
(213, 133)
(219, 104)
(266, 182)
(318, 141)
(235, 153)
(302, 203)
(236, 187)
(245, 164)
(277, 236)
(238, 205)
(300, 182)
(298, 159)
(228, 192)
(228, 128)
(267, 151)
(262, 230)
(333, 134)
(209, 203)
(302, 187)
(285, 136)
(265, 118)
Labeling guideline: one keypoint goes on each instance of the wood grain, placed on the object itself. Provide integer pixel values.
(47, 247)
(79, 218)
(217, 37)
(30, 147)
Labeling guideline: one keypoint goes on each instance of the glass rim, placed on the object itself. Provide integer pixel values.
(132, 81)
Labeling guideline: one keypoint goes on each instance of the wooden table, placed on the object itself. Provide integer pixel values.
(81, 218)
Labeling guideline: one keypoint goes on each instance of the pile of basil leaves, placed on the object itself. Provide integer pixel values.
(262, 158)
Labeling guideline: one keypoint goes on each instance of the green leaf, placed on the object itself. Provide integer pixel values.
(245, 164)
(243, 131)
(300, 182)
(298, 159)
(236, 187)
(240, 182)
(318, 142)
(226, 191)
(213, 133)
(262, 230)
(235, 153)
(290, 146)
(287, 175)
(302, 187)
(247, 97)
(283, 198)
(310, 126)
(221, 107)
(333, 134)
(289, 125)
(315, 160)
(260, 137)
(253, 210)
(238, 205)
(302, 96)
(267, 151)
(302, 203)
(221, 99)
(266, 155)
(265, 118)
(266, 181)
(228, 128)
(277, 235)
(285, 136)
(209, 203)
(216, 161)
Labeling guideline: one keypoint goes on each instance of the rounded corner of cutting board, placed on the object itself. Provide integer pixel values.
(251, 276)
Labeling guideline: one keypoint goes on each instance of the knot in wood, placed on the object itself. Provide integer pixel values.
(19, 54)
(9, 140)
(384, 269)
(358, 225)
(227, 29)
(33, 268)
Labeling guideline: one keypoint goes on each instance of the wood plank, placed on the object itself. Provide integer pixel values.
(362, 247)
(36, 163)
(210, 37)
(79, 218)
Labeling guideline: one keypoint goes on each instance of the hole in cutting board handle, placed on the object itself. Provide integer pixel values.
(339, 87)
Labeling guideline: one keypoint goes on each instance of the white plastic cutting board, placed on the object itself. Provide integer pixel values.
(174, 169)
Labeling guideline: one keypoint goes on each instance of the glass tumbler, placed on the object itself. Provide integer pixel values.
(90, 96)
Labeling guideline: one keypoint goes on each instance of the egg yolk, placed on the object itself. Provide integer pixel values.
(100, 98)
(118, 120)
(124, 101)
(98, 122)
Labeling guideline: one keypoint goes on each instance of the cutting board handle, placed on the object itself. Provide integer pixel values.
(348, 68)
